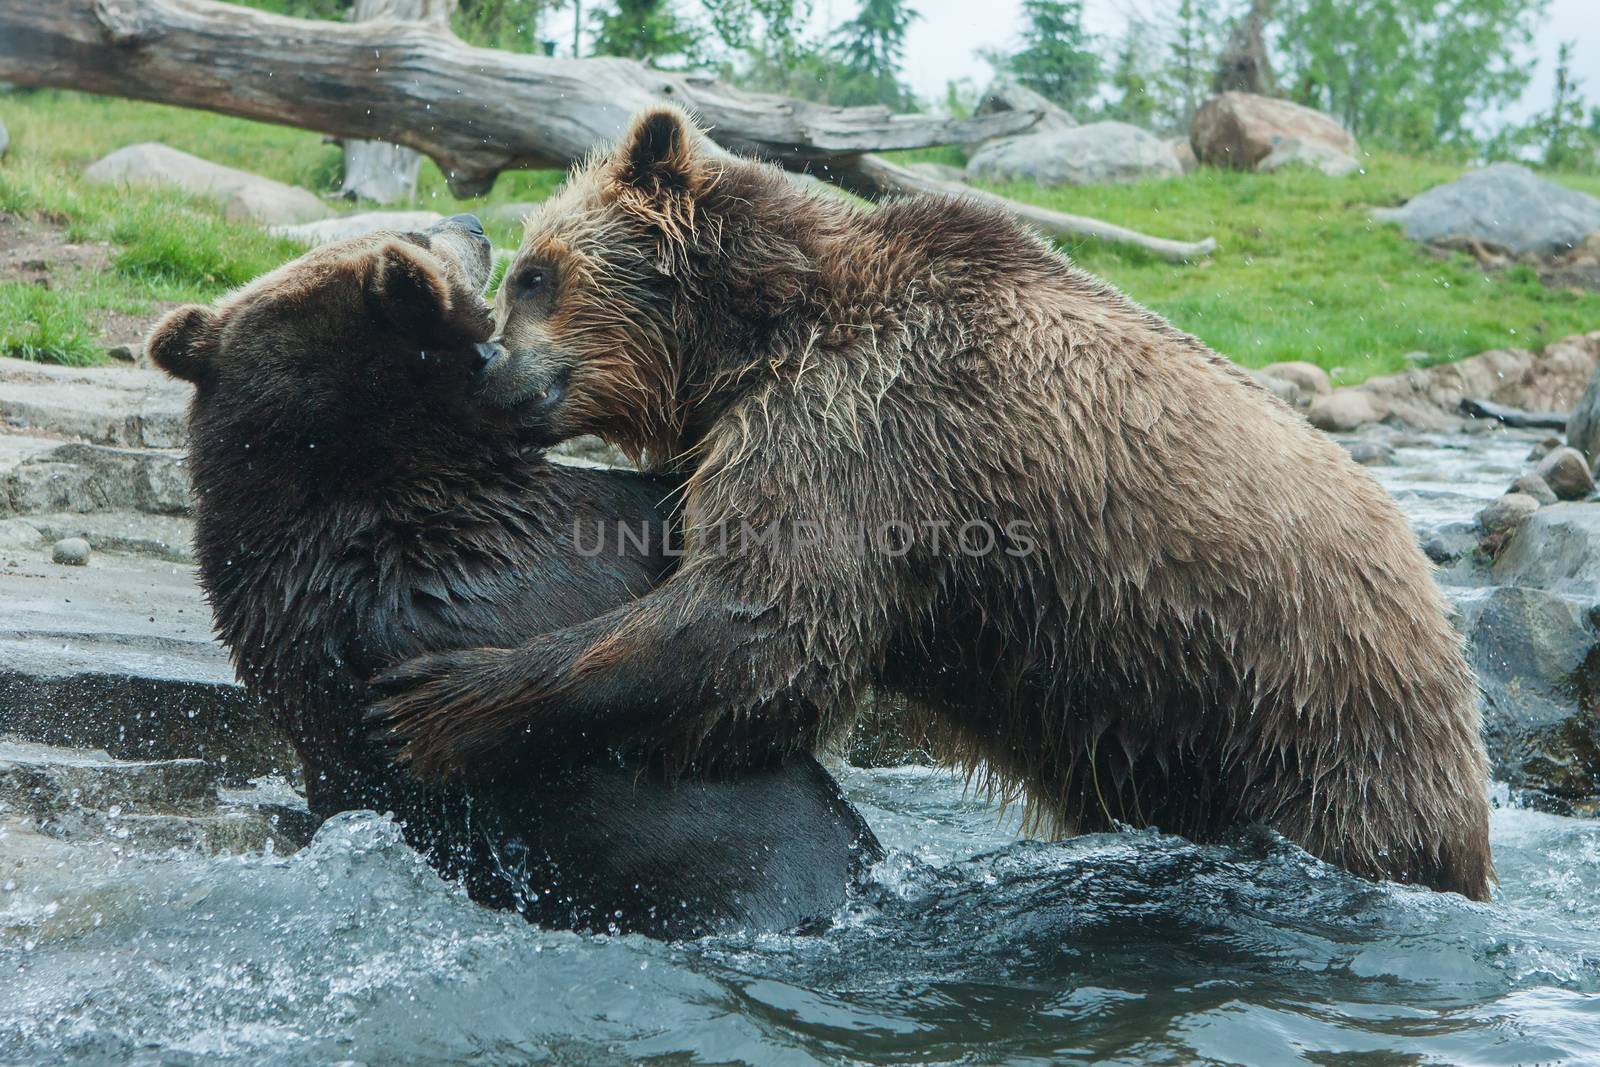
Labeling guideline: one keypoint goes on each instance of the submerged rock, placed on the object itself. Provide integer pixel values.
(1558, 550)
(1534, 653)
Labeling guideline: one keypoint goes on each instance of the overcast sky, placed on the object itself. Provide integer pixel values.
(945, 42)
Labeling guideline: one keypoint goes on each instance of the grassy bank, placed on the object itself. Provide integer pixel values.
(1301, 272)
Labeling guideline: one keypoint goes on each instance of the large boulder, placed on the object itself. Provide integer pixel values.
(1293, 152)
(104, 405)
(243, 195)
(1006, 94)
(1583, 428)
(1533, 654)
(1558, 550)
(1239, 130)
(342, 227)
(1097, 154)
(1430, 398)
(1504, 207)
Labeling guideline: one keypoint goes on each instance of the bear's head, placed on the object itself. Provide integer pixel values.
(357, 357)
(645, 279)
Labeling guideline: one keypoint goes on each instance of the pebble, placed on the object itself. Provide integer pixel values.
(70, 551)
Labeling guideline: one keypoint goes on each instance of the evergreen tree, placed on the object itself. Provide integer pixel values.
(1184, 82)
(1130, 80)
(1056, 59)
(1565, 141)
(869, 49)
(647, 30)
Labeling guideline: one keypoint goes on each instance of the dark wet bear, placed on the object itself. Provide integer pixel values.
(1176, 604)
(361, 496)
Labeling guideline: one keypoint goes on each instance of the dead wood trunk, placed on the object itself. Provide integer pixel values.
(377, 170)
(474, 111)
(873, 176)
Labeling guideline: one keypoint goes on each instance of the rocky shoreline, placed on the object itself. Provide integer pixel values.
(120, 718)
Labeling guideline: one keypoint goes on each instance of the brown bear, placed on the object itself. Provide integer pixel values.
(1107, 569)
(362, 494)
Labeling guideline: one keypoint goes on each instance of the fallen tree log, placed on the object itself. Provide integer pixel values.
(474, 111)
(874, 177)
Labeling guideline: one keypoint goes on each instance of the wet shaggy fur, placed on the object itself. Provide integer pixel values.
(357, 502)
(1199, 611)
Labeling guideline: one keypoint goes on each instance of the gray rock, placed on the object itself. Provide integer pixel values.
(70, 552)
(1183, 151)
(1566, 471)
(1531, 484)
(1543, 449)
(93, 478)
(1294, 152)
(105, 405)
(41, 780)
(1311, 378)
(1531, 650)
(1344, 410)
(166, 537)
(1100, 153)
(5, 140)
(15, 533)
(1005, 94)
(119, 656)
(244, 196)
(1283, 389)
(1506, 513)
(1370, 453)
(1558, 550)
(342, 227)
(1451, 542)
(1505, 206)
(70, 795)
(1583, 428)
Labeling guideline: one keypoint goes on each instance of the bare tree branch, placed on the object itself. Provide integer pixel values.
(873, 176)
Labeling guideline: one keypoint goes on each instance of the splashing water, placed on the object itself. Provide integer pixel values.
(965, 945)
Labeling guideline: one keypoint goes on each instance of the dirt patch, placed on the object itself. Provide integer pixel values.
(1578, 269)
(39, 252)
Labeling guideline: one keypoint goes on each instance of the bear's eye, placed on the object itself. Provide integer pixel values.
(530, 281)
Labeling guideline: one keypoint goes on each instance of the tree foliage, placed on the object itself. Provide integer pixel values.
(869, 50)
(648, 30)
(1408, 74)
(1056, 58)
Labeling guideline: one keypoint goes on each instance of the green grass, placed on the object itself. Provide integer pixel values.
(1301, 272)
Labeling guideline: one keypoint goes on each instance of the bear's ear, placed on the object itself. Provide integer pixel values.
(660, 159)
(406, 287)
(184, 343)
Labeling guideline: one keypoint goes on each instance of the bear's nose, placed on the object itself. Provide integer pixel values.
(489, 353)
(469, 222)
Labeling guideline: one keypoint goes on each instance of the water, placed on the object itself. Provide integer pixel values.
(966, 945)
